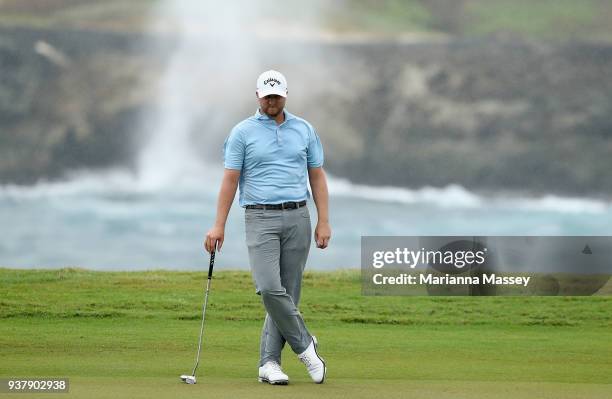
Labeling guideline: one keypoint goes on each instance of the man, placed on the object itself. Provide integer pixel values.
(270, 155)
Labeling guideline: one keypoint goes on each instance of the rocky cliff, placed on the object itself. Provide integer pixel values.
(498, 113)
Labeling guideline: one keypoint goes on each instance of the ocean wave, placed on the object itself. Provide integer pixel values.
(456, 196)
(76, 184)
(112, 182)
(452, 196)
(120, 182)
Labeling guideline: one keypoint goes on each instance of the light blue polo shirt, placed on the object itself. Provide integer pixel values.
(273, 159)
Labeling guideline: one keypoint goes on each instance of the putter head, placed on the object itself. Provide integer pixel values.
(188, 379)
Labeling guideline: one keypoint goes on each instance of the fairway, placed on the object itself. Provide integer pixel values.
(131, 334)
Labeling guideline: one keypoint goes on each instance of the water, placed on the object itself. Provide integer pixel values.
(158, 216)
(116, 221)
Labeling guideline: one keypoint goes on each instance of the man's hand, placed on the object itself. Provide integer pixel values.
(214, 239)
(322, 234)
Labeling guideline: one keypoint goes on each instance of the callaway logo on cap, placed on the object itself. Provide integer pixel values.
(271, 82)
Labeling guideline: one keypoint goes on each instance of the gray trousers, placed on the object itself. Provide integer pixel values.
(278, 243)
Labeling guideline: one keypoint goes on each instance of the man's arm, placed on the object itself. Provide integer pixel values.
(318, 183)
(214, 237)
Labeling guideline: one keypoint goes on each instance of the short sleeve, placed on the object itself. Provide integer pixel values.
(233, 150)
(315, 150)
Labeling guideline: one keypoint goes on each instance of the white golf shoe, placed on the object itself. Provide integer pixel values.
(272, 373)
(314, 363)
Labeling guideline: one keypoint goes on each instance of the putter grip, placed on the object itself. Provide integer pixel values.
(212, 264)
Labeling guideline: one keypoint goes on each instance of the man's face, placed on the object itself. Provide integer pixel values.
(272, 105)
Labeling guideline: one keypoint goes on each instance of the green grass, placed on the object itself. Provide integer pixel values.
(541, 19)
(79, 14)
(378, 17)
(130, 334)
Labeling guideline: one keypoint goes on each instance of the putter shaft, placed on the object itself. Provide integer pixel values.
(210, 270)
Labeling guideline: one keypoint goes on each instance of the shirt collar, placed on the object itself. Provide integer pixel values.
(262, 117)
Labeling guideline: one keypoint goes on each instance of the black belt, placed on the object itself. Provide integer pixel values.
(284, 205)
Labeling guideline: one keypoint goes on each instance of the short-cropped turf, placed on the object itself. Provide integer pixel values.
(130, 334)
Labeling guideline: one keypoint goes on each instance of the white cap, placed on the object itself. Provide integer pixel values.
(271, 82)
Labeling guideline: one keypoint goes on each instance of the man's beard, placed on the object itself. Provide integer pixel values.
(274, 115)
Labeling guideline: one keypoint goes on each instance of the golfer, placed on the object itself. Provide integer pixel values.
(270, 155)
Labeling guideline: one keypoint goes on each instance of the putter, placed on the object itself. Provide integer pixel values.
(191, 379)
